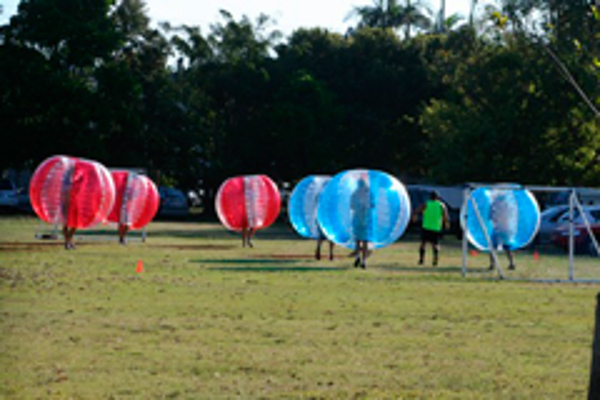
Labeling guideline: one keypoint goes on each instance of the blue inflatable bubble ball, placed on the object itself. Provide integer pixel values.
(510, 215)
(364, 205)
(302, 206)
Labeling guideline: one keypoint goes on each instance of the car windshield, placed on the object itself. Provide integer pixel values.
(552, 214)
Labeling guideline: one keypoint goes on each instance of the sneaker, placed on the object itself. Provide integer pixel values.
(363, 265)
(356, 262)
(491, 268)
(421, 262)
(511, 267)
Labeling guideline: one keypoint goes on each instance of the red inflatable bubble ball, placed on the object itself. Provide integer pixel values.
(72, 192)
(136, 201)
(251, 201)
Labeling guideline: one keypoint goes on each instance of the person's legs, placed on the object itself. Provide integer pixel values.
(65, 230)
(422, 251)
(511, 260)
(435, 246)
(250, 233)
(357, 251)
(364, 250)
(331, 244)
(491, 267)
(123, 229)
(68, 233)
(436, 253)
(318, 250)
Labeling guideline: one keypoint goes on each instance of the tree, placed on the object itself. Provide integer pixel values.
(71, 33)
(511, 120)
(388, 14)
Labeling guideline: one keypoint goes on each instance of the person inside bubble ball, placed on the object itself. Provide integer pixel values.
(360, 205)
(503, 218)
(68, 231)
(434, 218)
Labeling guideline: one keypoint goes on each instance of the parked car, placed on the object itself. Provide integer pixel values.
(592, 214)
(549, 221)
(173, 203)
(582, 241)
(8, 194)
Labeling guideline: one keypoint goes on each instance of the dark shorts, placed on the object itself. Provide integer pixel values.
(430, 236)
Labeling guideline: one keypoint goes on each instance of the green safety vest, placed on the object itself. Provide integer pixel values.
(433, 216)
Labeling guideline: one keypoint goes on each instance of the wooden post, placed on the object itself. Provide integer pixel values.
(594, 392)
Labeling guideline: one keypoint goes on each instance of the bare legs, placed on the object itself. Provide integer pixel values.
(123, 229)
(509, 255)
(68, 234)
(362, 249)
(436, 251)
(247, 237)
(318, 250)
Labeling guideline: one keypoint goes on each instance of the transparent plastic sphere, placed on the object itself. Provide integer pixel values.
(364, 205)
(251, 201)
(303, 205)
(509, 215)
(71, 191)
(136, 201)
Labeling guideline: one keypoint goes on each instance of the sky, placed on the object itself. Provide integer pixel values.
(288, 14)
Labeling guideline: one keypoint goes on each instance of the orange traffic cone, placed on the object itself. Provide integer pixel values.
(140, 267)
(536, 255)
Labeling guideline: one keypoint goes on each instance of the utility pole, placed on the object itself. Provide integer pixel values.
(594, 391)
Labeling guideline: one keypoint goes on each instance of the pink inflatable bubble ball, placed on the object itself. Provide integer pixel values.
(71, 192)
(136, 201)
(248, 203)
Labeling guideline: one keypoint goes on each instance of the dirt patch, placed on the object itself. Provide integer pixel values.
(41, 246)
(29, 246)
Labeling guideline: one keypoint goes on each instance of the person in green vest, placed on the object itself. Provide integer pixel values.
(434, 219)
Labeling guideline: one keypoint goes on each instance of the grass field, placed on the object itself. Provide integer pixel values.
(209, 319)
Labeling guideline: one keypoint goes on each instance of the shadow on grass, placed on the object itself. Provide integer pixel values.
(426, 269)
(258, 265)
(279, 269)
(277, 231)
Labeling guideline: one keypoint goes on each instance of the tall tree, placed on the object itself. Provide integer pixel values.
(70, 32)
(390, 14)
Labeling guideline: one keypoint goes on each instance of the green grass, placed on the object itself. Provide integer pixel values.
(209, 319)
